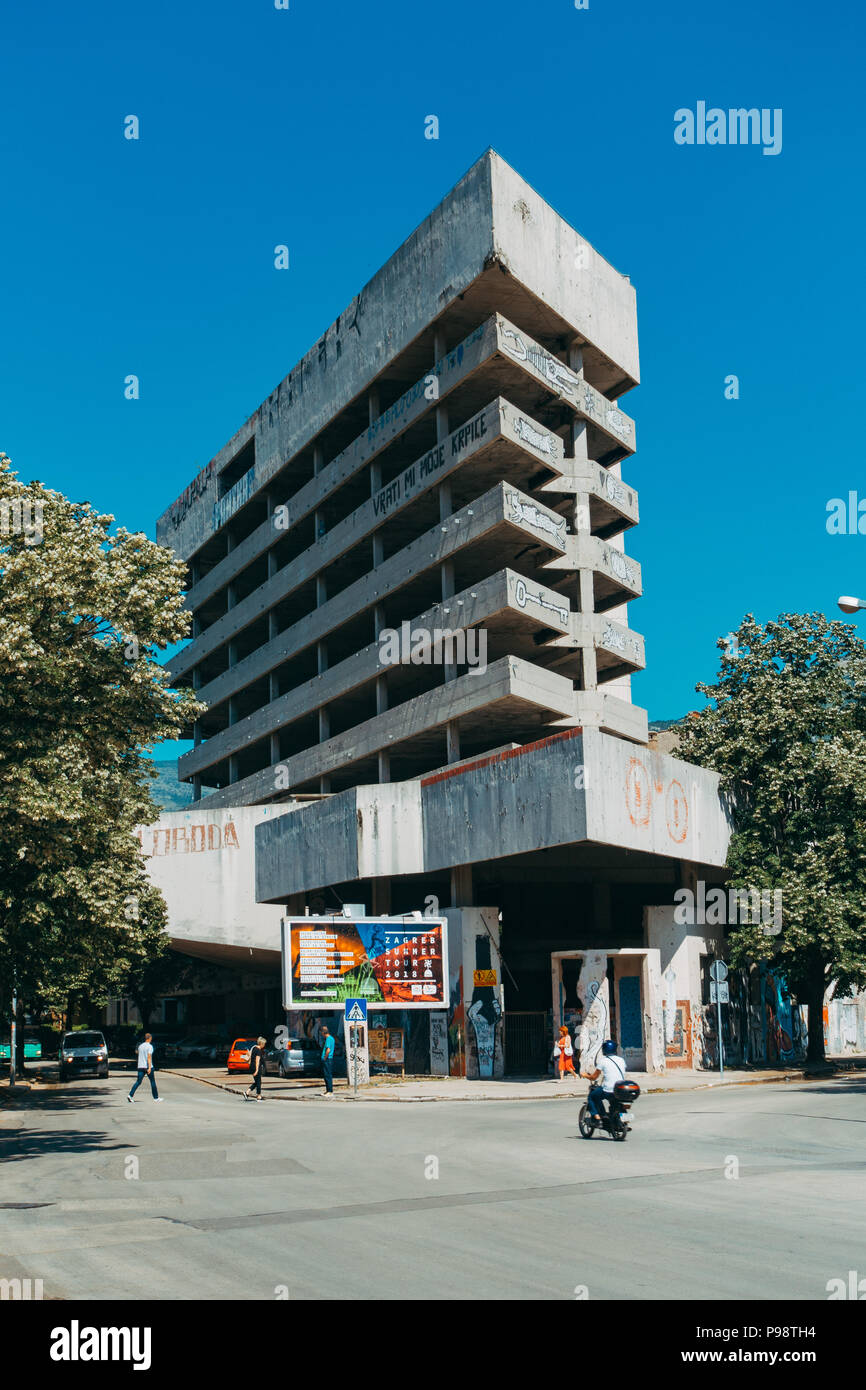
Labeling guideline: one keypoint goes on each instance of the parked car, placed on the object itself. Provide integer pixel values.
(301, 1057)
(32, 1048)
(298, 1057)
(196, 1049)
(239, 1054)
(161, 1044)
(83, 1052)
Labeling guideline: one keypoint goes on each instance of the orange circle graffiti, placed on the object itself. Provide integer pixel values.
(638, 793)
(677, 812)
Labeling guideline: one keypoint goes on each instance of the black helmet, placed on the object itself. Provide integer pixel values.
(608, 1047)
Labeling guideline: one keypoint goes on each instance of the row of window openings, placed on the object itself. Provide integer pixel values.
(355, 492)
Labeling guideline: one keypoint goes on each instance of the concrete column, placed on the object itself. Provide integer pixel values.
(587, 605)
(601, 915)
(380, 897)
(452, 731)
(384, 758)
(274, 749)
(321, 647)
(578, 428)
(461, 886)
(196, 788)
(196, 728)
(233, 769)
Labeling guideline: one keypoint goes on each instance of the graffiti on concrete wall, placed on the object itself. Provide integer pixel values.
(761, 1025)
(189, 839)
(484, 1017)
(596, 1021)
(678, 1050)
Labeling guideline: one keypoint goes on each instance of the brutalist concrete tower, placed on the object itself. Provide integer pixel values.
(447, 460)
(447, 457)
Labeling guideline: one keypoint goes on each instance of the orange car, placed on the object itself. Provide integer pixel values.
(239, 1055)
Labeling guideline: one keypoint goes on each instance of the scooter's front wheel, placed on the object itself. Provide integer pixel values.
(585, 1125)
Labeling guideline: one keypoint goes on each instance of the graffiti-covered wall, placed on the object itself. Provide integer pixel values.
(760, 1025)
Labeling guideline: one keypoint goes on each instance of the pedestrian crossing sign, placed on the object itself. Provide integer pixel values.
(356, 1011)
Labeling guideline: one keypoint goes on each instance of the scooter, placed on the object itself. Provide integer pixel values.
(615, 1119)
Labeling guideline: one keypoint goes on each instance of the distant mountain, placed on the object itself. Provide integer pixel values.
(167, 791)
(659, 725)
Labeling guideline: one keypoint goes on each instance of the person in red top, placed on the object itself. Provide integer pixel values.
(563, 1053)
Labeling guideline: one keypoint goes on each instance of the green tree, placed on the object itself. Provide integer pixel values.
(786, 729)
(84, 613)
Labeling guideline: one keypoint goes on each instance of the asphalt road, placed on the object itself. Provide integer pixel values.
(206, 1196)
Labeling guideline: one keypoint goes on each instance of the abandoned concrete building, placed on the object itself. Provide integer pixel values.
(452, 455)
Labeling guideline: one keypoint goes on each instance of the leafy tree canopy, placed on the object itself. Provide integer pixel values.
(786, 729)
(84, 613)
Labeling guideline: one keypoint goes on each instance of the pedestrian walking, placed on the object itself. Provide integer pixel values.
(328, 1061)
(257, 1055)
(145, 1068)
(563, 1053)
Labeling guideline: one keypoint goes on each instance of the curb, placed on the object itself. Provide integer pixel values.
(827, 1073)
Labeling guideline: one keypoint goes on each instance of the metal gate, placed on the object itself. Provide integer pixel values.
(527, 1043)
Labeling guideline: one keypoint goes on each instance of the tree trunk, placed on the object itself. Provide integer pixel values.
(813, 996)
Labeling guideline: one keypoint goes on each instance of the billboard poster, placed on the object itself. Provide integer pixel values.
(395, 963)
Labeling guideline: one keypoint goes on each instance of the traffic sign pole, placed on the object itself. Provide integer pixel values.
(719, 973)
(355, 1013)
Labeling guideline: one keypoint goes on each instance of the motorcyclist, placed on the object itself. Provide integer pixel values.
(610, 1070)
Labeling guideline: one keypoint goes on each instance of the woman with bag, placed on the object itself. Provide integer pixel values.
(563, 1054)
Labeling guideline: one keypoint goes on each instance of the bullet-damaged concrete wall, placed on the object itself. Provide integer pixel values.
(437, 262)
(203, 863)
(317, 846)
(491, 214)
(510, 803)
(649, 801)
(552, 259)
(389, 829)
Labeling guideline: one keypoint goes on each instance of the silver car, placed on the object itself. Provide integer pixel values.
(83, 1052)
(299, 1057)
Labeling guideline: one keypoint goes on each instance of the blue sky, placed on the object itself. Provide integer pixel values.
(306, 127)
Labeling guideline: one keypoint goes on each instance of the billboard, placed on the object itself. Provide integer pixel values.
(393, 962)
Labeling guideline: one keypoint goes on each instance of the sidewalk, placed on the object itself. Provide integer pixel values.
(434, 1088)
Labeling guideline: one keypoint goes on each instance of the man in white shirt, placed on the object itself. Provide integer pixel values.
(145, 1068)
(610, 1070)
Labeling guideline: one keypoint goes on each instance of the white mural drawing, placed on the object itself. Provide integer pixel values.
(542, 521)
(594, 1028)
(521, 594)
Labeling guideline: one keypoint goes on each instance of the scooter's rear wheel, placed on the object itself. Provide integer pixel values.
(618, 1129)
(587, 1128)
